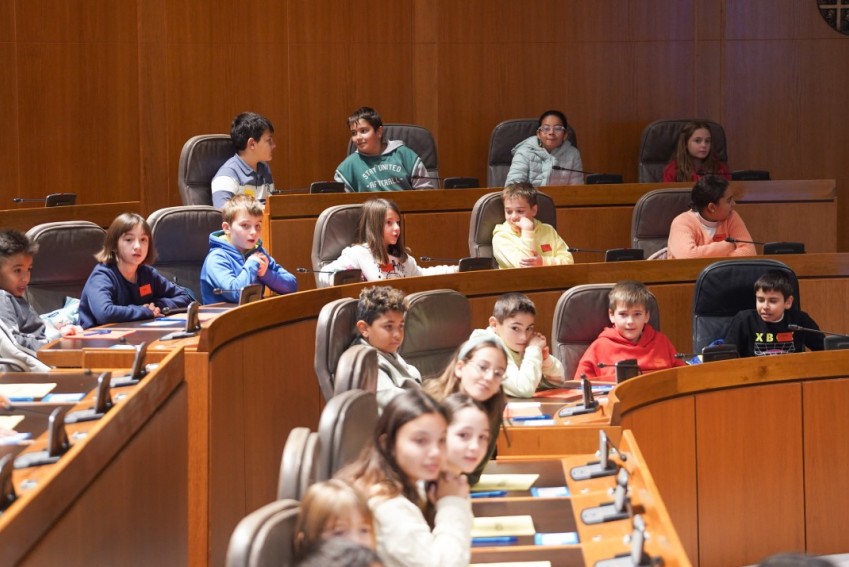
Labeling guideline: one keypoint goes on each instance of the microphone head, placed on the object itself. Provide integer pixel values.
(793, 327)
(302, 270)
(731, 239)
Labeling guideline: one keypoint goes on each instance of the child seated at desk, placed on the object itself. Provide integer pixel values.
(414, 528)
(764, 330)
(24, 324)
(521, 241)
(237, 258)
(123, 286)
(380, 324)
(631, 336)
(530, 363)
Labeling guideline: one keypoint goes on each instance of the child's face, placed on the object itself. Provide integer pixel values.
(15, 272)
(698, 146)
(549, 134)
(263, 149)
(515, 331)
(133, 246)
(391, 228)
(353, 527)
(771, 305)
(481, 376)
(386, 333)
(420, 447)
(467, 440)
(629, 321)
(244, 232)
(516, 208)
(720, 210)
(366, 138)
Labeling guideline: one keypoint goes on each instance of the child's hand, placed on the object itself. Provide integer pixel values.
(153, 309)
(531, 261)
(263, 263)
(526, 224)
(451, 484)
(538, 340)
(545, 352)
(69, 330)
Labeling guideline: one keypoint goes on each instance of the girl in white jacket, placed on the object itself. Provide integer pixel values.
(380, 252)
(415, 527)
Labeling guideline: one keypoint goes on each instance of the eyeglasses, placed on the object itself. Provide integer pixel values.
(557, 129)
(485, 369)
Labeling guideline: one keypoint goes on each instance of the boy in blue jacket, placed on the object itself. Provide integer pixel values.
(236, 257)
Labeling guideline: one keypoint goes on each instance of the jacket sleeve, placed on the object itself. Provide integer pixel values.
(576, 178)
(338, 176)
(737, 229)
(167, 293)
(684, 244)
(277, 278)
(348, 260)
(419, 176)
(404, 537)
(737, 333)
(220, 274)
(101, 293)
(813, 341)
(14, 319)
(520, 168)
(553, 372)
(561, 255)
(509, 249)
(522, 381)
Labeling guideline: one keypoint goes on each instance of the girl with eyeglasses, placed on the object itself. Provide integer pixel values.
(477, 370)
(547, 158)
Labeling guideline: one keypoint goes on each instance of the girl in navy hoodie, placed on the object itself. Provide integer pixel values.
(123, 286)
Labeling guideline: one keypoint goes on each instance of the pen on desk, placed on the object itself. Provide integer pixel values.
(489, 494)
(494, 540)
(531, 417)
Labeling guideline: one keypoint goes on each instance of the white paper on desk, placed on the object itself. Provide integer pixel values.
(506, 482)
(514, 564)
(34, 391)
(10, 421)
(163, 323)
(493, 526)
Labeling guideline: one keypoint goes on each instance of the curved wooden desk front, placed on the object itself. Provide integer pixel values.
(749, 454)
(252, 379)
(596, 217)
(101, 214)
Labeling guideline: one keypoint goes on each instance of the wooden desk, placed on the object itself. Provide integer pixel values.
(101, 214)
(436, 222)
(115, 495)
(252, 378)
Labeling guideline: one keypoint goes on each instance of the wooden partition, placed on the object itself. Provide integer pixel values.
(252, 379)
(594, 217)
(116, 497)
(747, 453)
(103, 214)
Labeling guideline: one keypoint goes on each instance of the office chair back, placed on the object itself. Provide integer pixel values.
(181, 237)
(265, 536)
(488, 211)
(299, 465)
(334, 332)
(200, 159)
(356, 370)
(346, 426)
(581, 313)
(63, 263)
(726, 287)
(653, 215)
(657, 145)
(438, 321)
(504, 138)
(335, 230)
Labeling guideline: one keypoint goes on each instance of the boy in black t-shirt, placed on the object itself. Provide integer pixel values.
(765, 330)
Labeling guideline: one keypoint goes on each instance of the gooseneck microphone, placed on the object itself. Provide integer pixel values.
(733, 240)
(592, 250)
(793, 327)
(443, 260)
(561, 168)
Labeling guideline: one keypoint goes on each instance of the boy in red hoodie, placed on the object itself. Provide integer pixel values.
(631, 336)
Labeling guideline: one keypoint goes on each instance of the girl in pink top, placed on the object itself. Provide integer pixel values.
(694, 156)
(711, 227)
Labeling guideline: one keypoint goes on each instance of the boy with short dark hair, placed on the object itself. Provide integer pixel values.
(380, 324)
(237, 258)
(530, 364)
(630, 337)
(522, 241)
(764, 330)
(26, 327)
(247, 172)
